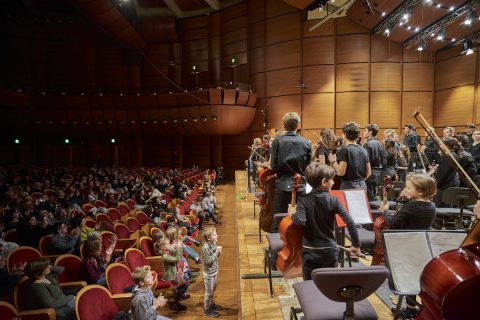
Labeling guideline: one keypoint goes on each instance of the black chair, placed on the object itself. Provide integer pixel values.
(275, 244)
(459, 198)
(339, 293)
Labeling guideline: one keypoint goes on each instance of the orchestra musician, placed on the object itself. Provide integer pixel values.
(326, 144)
(316, 213)
(290, 154)
(469, 129)
(445, 175)
(375, 155)
(351, 162)
(417, 213)
(474, 149)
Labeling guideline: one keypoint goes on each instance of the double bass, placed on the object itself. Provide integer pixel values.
(449, 282)
(289, 260)
(266, 180)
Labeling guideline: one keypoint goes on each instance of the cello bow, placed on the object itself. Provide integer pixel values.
(474, 234)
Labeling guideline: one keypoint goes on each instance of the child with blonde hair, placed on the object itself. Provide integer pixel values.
(209, 254)
(144, 304)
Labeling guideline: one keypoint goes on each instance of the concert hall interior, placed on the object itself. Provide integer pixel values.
(240, 159)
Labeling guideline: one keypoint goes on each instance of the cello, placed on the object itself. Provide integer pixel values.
(449, 282)
(289, 260)
(266, 179)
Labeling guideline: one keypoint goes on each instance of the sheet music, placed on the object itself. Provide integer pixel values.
(441, 242)
(357, 206)
(408, 254)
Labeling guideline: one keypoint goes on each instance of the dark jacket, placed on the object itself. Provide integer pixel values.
(412, 215)
(142, 303)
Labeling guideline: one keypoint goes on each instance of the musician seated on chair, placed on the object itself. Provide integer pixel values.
(417, 213)
(316, 213)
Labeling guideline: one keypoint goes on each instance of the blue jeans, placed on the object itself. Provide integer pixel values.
(191, 253)
(159, 317)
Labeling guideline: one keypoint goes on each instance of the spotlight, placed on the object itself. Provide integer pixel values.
(421, 45)
(467, 47)
(214, 118)
(405, 16)
(234, 61)
(469, 18)
(387, 32)
(194, 69)
(204, 118)
(165, 121)
(441, 34)
(113, 141)
(67, 141)
(17, 141)
(185, 119)
(195, 119)
(439, 5)
(175, 120)
(383, 14)
(417, 29)
(452, 8)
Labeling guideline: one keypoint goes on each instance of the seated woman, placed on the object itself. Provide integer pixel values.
(94, 264)
(42, 292)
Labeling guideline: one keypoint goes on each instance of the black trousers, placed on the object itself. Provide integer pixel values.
(318, 258)
(372, 184)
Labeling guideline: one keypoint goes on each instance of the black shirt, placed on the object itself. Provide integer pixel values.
(475, 152)
(290, 155)
(316, 213)
(375, 152)
(411, 141)
(356, 158)
(445, 175)
(322, 151)
(412, 215)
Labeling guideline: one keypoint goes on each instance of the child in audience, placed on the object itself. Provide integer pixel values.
(316, 213)
(144, 304)
(158, 239)
(417, 213)
(175, 267)
(209, 254)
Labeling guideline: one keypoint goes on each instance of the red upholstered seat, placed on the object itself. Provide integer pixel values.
(123, 208)
(153, 231)
(21, 255)
(146, 243)
(90, 223)
(118, 277)
(72, 264)
(133, 224)
(135, 258)
(108, 225)
(87, 207)
(94, 302)
(121, 244)
(10, 235)
(100, 204)
(122, 231)
(43, 244)
(100, 217)
(131, 204)
(114, 214)
(8, 312)
(142, 218)
(19, 294)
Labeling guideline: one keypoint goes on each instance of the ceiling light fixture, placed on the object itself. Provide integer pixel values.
(421, 45)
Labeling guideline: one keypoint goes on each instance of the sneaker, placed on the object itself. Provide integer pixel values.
(177, 306)
(211, 313)
(216, 307)
(198, 243)
(406, 313)
(198, 261)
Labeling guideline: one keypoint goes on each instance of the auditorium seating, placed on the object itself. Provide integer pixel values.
(135, 258)
(20, 255)
(95, 295)
(9, 312)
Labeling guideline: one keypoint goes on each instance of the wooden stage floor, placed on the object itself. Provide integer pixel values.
(243, 254)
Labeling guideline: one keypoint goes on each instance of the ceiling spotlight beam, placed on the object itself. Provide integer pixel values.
(443, 22)
(392, 19)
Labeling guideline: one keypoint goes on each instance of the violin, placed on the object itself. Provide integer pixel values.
(379, 225)
(289, 260)
(449, 282)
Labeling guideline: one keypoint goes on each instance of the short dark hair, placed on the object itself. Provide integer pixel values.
(409, 125)
(351, 130)
(291, 121)
(462, 139)
(315, 172)
(470, 125)
(372, 127)
(35, 268)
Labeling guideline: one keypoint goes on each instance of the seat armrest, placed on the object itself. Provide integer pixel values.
(156, 263)
(73, 285)
(123, 244)
(123, 300)
(38, 314)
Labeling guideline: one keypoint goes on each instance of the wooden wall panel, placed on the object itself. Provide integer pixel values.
(319, 78)
(256, 11)
(256, 35)
(351, 106)
(384, 50)
(318, 50)
(453, 107)
(256, 60)
(277, 107)
(412, 55)
(258, 84)
(275, 8)
(289, 57)
(233, 36)
(326, 29)
(352, 77)
(283, 82)
(455, 72)
(318, 110)
(234, 48)
(449, 53)
(283, 28)
(353, 48)
(418, 76)
(346, 26)
(413, 100)
(385, 109)
(386, 77)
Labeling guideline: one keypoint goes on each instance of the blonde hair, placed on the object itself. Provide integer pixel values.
(388, 133)
(207, 233)
(424, 184)
(140, 273)
(172, 234)
(291, 120)
(257, 141)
